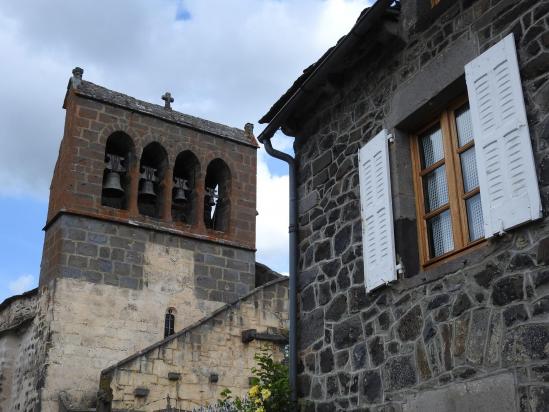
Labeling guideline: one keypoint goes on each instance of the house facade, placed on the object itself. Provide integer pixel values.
(422, 153)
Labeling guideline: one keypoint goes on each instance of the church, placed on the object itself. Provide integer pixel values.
(149, 294)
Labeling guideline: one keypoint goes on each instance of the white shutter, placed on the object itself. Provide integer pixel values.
(378, 240)
(507, 176)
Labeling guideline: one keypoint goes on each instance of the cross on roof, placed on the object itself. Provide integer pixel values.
(167, 97)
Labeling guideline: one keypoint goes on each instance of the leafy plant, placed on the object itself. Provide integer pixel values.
(270, 391)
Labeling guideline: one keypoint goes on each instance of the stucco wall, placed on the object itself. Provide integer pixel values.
(213, 346)
(478, 318)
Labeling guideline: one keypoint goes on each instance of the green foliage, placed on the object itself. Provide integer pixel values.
(270, 391)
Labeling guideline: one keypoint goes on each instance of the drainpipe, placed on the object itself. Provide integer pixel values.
(293, 264)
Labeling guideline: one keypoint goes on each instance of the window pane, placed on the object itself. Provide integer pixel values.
(469, 169)
(464, 126)
(439, 229)
(432, 149)
(474, 218)
(436, 188)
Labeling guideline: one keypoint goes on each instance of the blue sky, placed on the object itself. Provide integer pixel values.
(224, 60)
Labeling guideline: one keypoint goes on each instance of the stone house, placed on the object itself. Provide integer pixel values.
(149, 287)
(422, 175)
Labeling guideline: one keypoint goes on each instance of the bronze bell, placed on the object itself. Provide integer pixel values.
(211, 195)
(114, 165)
(179, 196)
(146, 192)
(112, 186)
(180, 188)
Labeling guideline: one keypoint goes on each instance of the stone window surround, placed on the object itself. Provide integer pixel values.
(412, 106)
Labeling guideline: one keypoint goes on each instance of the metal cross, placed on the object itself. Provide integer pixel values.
(167, 97)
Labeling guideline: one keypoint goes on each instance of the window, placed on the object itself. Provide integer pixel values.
(446, 184)
(457, 206)
(154, 162)
(169, 323)
(217, 203)
(116, 179)
(185, 171)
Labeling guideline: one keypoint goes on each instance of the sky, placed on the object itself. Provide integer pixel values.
(223, 60)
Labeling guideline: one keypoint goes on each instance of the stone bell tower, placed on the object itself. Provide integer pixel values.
(151, 226)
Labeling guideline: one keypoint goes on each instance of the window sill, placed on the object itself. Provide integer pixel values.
(442, 259)
(451, 263)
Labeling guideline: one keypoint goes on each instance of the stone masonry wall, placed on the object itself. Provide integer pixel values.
(23, 340)
(473, 331)
(114, 254)
(113, 284)
(181, 366)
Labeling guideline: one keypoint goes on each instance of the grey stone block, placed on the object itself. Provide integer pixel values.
(110, 279)
(238, 265)
(86, 249)
(493, 393)
(77, 234)
(128, 282)
(214, 260)
(122, 269)
(206, 282)
(102, 265)
(98, 238)
(92, 276)
(79, 262)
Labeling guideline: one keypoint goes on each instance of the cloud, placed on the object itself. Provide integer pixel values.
(224, 60)
(272, 219)
(21, 284)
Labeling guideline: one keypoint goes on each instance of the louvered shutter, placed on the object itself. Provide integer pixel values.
(507, 176)
(378, 241)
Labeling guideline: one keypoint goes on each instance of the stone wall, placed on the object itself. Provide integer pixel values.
(182, 365)
(482, 317)
(112, 286)
(110, 253)
(17, 309)
(23, 341)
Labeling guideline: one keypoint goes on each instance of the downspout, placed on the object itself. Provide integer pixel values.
(292, 229)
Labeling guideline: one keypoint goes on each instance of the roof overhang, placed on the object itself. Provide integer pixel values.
(377, 24)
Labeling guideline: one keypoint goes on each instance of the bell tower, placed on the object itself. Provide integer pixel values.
(151, 212)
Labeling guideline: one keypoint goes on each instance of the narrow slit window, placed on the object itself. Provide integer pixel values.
(169, 323)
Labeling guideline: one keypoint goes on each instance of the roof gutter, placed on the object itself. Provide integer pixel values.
(359, 30)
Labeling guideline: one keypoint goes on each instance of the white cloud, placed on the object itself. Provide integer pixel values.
(272, 220)
(229, 62)
(21, 284)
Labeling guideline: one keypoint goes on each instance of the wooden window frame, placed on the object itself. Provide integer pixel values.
(456, 196)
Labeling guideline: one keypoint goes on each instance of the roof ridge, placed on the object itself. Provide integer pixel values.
(97, 92)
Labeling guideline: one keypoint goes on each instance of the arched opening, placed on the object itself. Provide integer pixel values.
(152, 167)
(116, 177)
(185, 173)
(217, 203)
(169, 322)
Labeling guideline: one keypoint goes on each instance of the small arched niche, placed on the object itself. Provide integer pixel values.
(152, 168)
(217, 202)
(119, 151)
(185, 173)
